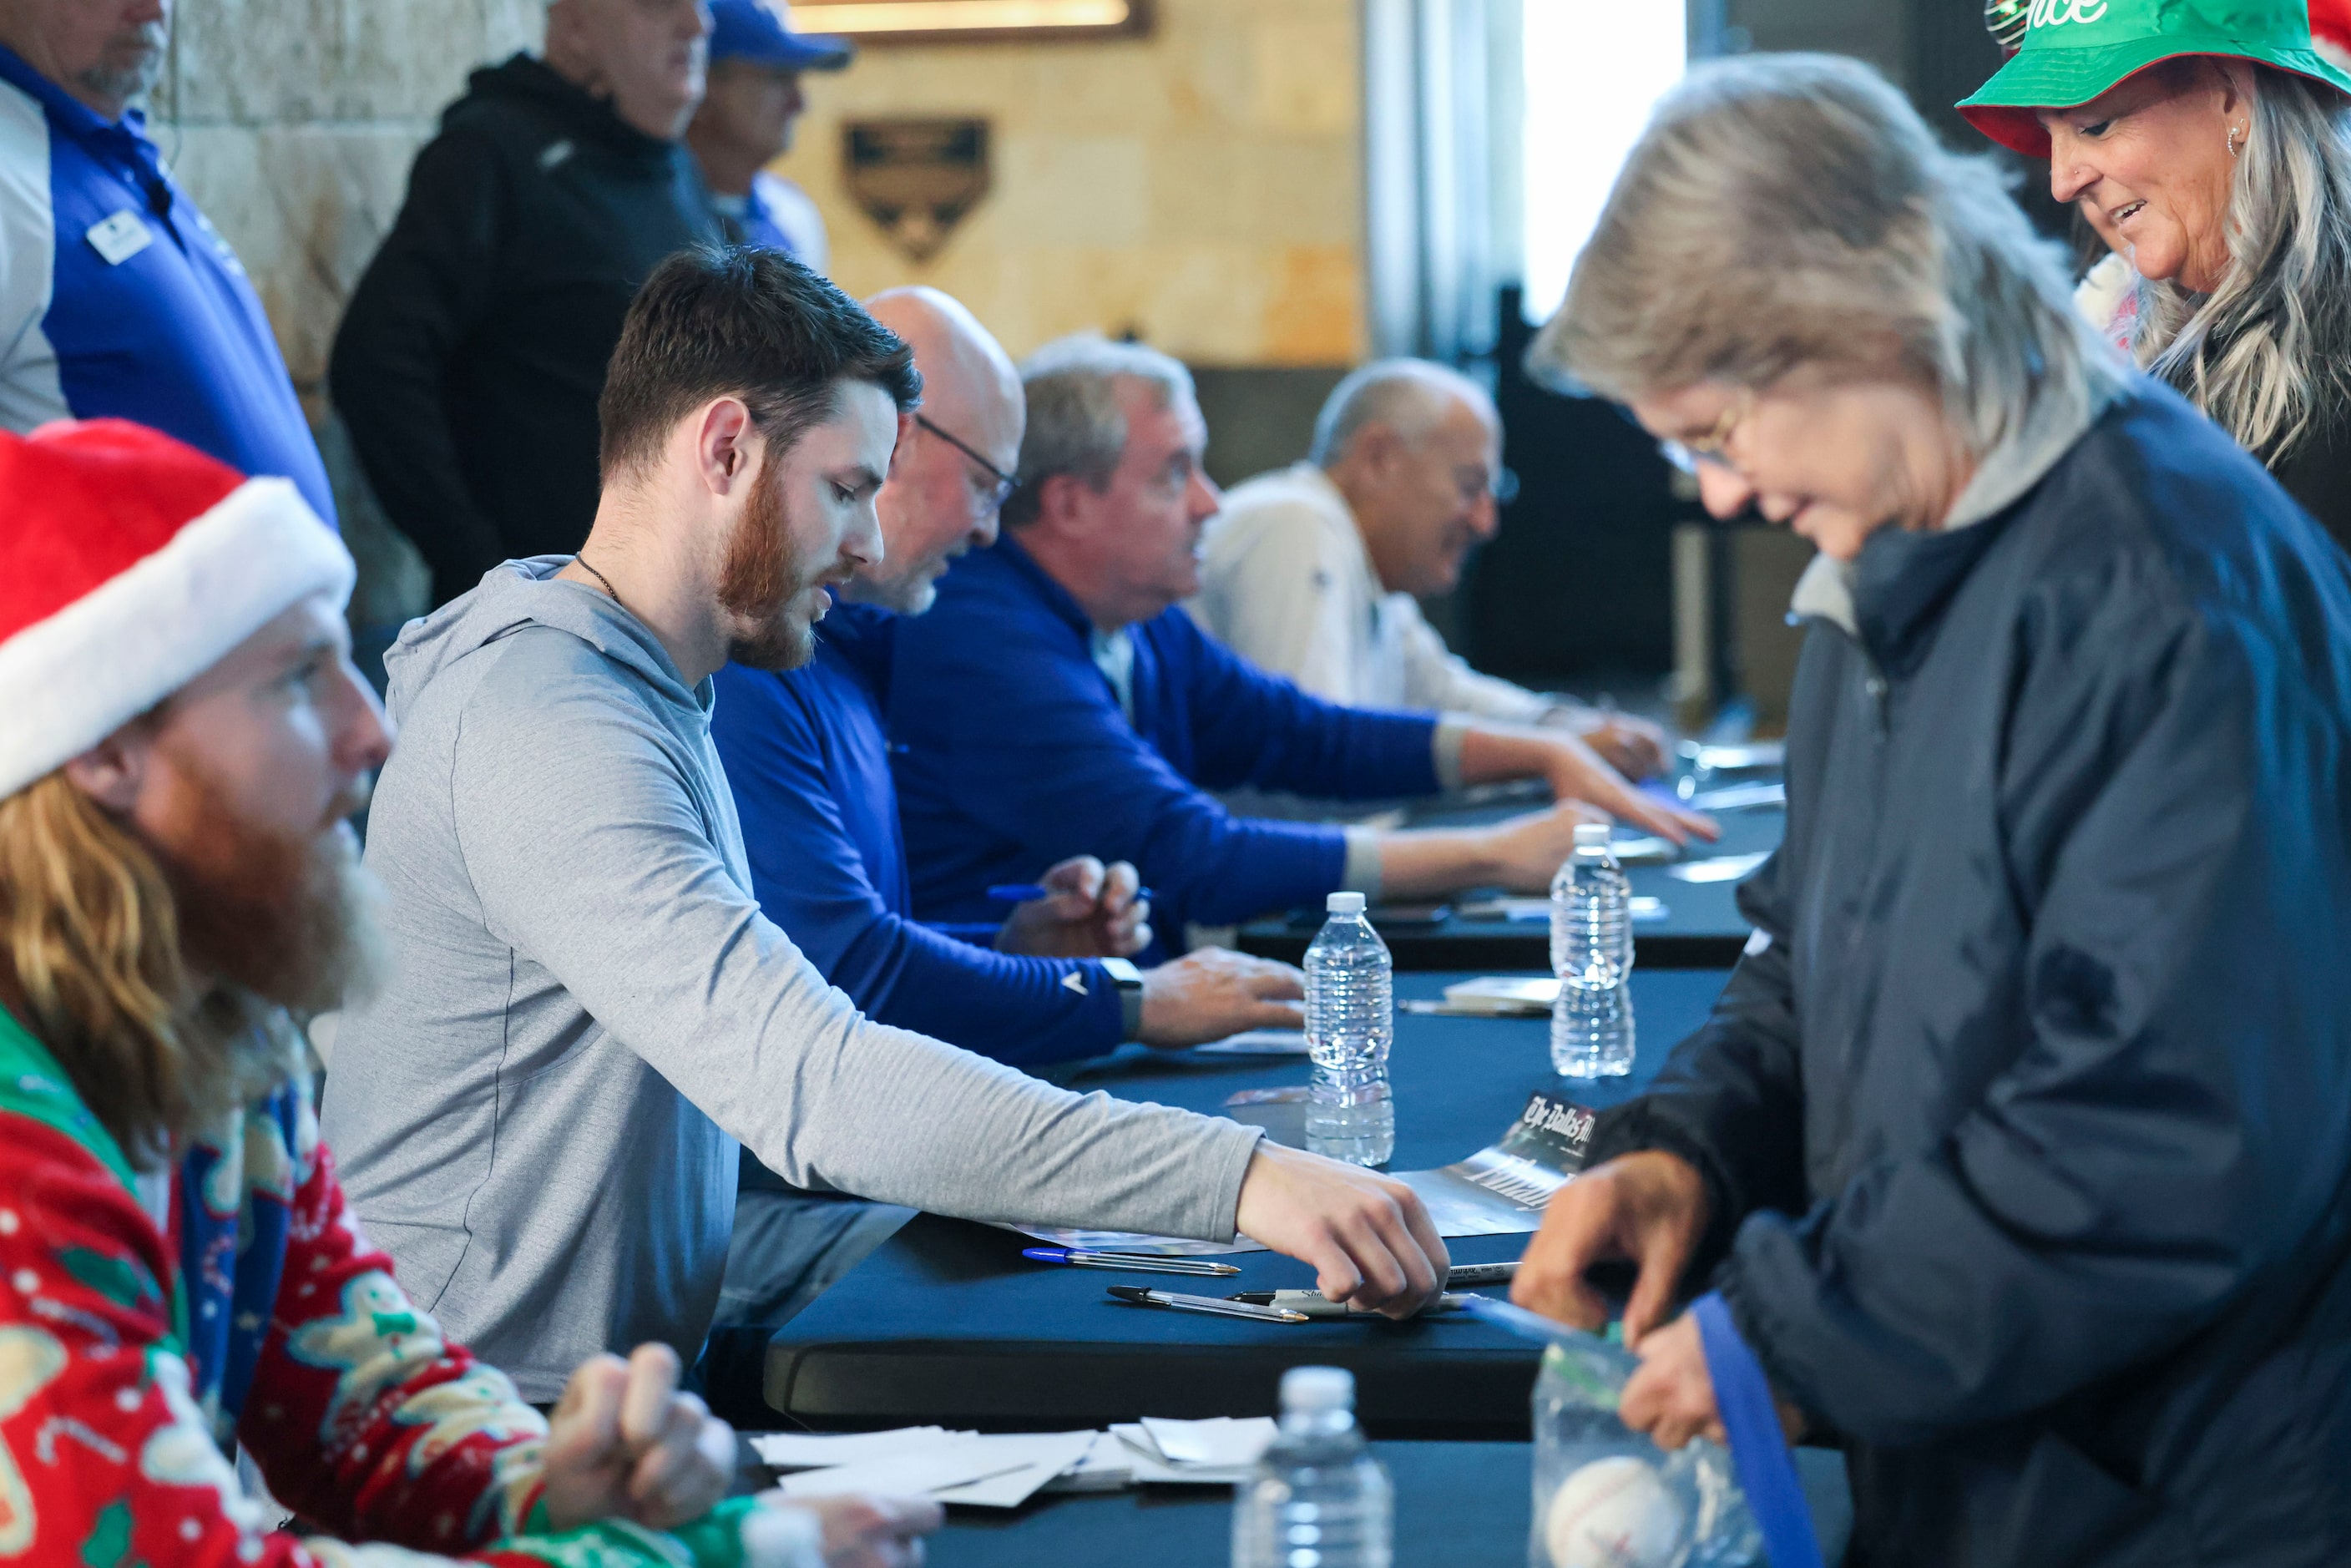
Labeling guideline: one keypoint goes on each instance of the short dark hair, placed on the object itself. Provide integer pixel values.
(742, 321)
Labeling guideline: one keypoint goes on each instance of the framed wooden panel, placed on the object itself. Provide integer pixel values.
(877, 22)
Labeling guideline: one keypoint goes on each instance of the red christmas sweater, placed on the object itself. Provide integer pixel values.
(124, 1377)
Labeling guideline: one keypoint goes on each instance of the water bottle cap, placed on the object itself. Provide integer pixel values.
(1313, 1388)
(1592, 835)
(1344, 904)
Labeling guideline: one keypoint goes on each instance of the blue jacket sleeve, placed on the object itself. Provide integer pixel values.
(812, 880)
(1016, 741)
(1252, 726)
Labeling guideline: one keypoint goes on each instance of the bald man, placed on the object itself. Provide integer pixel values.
(809, 760)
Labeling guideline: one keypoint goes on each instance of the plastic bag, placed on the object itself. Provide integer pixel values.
(1607, 1497)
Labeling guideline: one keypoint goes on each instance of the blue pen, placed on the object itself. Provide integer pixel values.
(1132, 1263)
(1029, 891)
(1520, 1321)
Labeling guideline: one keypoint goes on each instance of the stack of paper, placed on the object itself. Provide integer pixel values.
(1256, 1042)
(1007, 1470)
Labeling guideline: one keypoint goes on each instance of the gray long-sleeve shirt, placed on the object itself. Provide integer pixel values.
(537, 1114)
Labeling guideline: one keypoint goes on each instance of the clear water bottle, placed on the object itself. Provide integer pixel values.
(1350, 1024)
(1319, 1499)
(1592, 954)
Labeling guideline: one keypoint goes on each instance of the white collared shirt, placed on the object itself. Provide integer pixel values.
(1288, 584)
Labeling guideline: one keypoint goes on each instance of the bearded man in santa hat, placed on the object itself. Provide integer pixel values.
(182, 739)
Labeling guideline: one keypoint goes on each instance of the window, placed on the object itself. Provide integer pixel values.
(1592, 72)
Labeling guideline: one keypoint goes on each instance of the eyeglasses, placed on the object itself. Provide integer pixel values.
(1475, 480)
(1714, 446)
(1005, 483)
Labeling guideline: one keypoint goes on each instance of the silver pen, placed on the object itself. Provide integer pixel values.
(1132, 1263)
(1216, 1306)
(1315, 1304)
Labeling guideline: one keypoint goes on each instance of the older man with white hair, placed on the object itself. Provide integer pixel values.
(1313, 572)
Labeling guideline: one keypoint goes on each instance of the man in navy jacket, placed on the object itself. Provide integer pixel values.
(808, 760)
(1056, 700)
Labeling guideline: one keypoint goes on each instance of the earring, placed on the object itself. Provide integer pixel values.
(2233, 135)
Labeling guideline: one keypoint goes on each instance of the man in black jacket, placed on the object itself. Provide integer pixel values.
(2018, 1150)
(469, 363)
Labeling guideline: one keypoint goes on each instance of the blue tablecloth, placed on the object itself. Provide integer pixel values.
(947, 1323)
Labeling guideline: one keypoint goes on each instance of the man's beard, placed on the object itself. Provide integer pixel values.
(288, 919)
(126, 82)
(758, 581)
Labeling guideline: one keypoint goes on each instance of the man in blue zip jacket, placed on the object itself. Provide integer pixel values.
(807, 757)
(808, 760)
(1057, 701)
(117, 298)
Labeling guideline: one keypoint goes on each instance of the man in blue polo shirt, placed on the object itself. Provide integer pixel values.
(117, 298)
(746, 122)
(1056, 700)
(807, 760)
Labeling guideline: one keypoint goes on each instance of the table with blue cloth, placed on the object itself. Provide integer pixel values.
(947, 1323)
(1700, 929)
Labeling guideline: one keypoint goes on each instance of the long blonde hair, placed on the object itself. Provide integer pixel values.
(2267, 354)
(89, 937)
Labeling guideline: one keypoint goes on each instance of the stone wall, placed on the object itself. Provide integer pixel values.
(1201, 187)
(292, 123)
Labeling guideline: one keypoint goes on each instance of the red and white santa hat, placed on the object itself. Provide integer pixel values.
(130, 564)
(2330, 30)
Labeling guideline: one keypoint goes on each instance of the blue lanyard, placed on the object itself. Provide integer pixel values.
(1757, 1446)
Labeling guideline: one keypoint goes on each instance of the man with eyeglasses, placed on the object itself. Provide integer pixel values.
(1314, 571)
(1058, 701)
(808, 762)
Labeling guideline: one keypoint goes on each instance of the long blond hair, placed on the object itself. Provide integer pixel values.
(89, 937)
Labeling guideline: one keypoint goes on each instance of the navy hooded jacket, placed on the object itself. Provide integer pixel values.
(2026, 1121)
(1016, 754)
(808, 762)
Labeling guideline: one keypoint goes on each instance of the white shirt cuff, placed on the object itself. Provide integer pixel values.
(1362, 871)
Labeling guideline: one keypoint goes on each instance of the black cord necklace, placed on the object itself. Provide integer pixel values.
(581, 561)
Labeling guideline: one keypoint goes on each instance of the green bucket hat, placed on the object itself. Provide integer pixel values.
(2075, 50)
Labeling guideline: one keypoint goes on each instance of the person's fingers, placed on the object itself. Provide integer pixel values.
(1275, 1015)
(687, 1467)
(1122, 885)
(1135, 940)
(1424, 1273)
(1268, 981)
(653, 1383)
(587, 1419)
(1663, 1252)
(1576, 1232)
(1642, 1404)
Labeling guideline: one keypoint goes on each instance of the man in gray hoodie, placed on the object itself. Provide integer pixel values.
(539, 1115)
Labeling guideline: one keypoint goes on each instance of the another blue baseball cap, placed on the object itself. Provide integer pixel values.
(760, 31)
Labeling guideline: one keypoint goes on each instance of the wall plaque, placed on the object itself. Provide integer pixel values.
(915, 177)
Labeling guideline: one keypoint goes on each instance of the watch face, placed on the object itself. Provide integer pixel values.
(1124, 973)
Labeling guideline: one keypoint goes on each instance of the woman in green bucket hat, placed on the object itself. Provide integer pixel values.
(2211, 137)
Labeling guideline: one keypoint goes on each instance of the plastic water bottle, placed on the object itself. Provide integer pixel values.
(1350, 1024)
(1318, 1499)
(1592, 954)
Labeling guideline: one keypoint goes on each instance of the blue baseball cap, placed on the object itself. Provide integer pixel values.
(760, 31)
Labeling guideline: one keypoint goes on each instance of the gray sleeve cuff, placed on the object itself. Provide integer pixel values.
(1362, 871)
(1445, 749)
(1130, 1011)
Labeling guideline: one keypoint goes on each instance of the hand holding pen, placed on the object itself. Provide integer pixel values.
(1081, 909)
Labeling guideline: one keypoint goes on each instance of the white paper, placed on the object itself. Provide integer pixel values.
(1256, 1042)
(1221, 1440)
(1108, 1466)
(1642, 907)
(1047, 1456)
(1132, 1241)
(809, 1451)
(1152, 1468)
(908, 1475)
(1719, 868)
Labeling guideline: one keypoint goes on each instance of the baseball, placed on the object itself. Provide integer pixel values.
(1614, 1514)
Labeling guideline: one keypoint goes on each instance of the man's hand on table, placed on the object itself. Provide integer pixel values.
(1368, 1236)
(1491, 753)
(625, 1444)
(1648, 1208)
(1633, 746)
(1094, 912)
(1212, 992)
